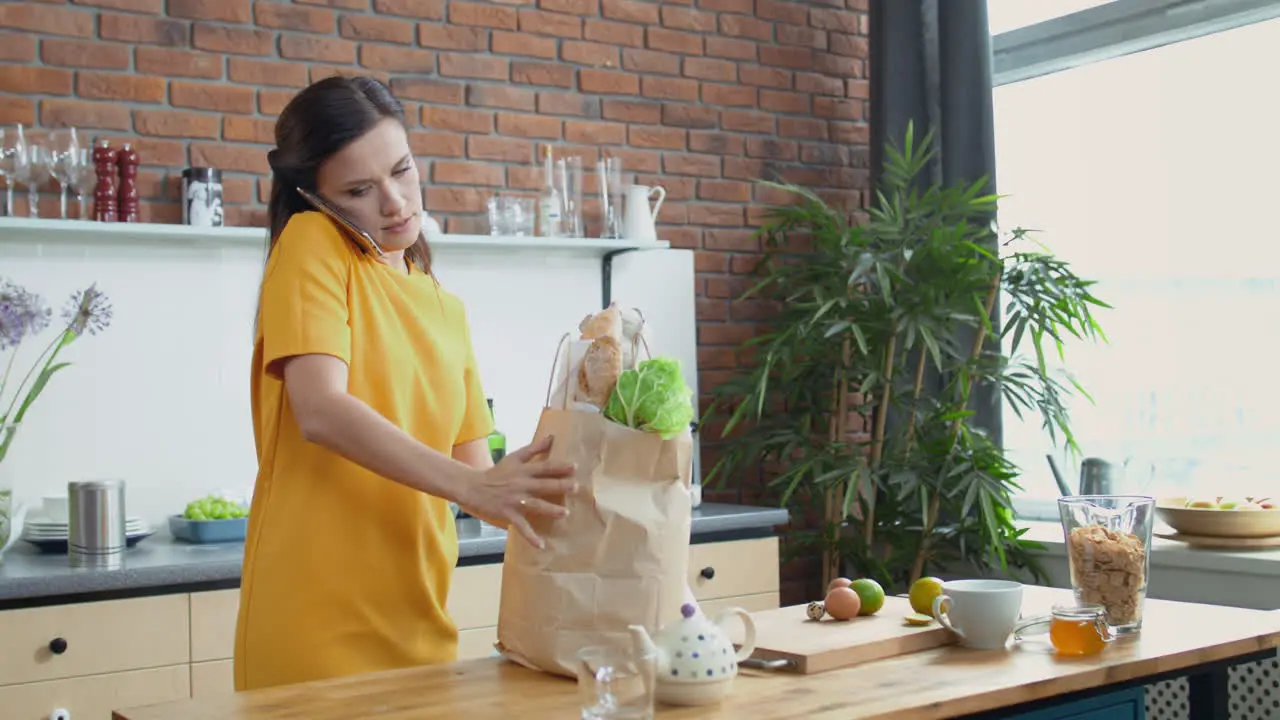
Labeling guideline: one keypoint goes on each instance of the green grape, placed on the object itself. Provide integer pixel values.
(213, 507)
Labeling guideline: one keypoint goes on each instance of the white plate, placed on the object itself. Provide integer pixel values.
(131, 522)
(46, 534)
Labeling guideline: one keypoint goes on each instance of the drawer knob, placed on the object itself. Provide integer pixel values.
(708, 572)
(57, 646)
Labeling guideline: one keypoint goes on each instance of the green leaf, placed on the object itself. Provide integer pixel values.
(38, 387)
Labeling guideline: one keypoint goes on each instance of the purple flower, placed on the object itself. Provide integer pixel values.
(89, 310)
(21, 314)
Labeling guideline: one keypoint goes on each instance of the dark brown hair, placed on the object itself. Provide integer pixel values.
(318, 122)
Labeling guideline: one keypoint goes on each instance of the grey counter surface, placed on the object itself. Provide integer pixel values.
(28, 577)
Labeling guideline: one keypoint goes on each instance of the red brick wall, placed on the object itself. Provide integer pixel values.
(702, 96)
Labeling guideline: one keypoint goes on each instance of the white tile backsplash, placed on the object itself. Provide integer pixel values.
(161, 399)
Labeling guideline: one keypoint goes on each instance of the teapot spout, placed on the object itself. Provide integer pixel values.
(643, 645)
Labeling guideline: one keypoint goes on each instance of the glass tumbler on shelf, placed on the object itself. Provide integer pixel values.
(84, 177)
(511, 216)
(609, 176)
(1108, 539)
(570, 186)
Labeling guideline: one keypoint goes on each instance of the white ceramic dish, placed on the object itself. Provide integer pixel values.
(1209, 522)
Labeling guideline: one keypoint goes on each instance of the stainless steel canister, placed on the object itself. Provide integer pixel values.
(96, 519)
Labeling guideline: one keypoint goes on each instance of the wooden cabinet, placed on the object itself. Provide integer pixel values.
(93, 697)
(90, 658)
(1128, 704)
(123, 653)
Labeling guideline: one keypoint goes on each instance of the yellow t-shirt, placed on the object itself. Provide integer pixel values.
(346, 571)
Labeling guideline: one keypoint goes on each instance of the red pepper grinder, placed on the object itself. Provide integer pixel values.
(128, 206)
(104, 193)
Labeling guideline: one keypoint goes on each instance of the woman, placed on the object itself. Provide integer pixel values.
(369, 416)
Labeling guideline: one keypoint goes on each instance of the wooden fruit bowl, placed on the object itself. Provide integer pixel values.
(1213, 522)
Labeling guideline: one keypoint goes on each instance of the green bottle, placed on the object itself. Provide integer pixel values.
(497, 441)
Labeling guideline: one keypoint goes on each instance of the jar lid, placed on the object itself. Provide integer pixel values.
(1079, 611)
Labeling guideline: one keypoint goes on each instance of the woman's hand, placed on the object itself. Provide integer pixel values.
(518, 487)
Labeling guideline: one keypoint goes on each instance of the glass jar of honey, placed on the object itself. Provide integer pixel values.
(1073, 629)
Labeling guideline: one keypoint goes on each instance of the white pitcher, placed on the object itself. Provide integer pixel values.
(640, 221)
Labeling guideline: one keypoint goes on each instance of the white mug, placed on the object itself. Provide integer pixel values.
(982, 613)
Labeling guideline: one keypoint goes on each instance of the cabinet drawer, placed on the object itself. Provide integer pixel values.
(100, 637)
(213, 624)
(95, 697)
(739, 567)
(750, 603)
(477, 643)
(212, 678)
(474, 595)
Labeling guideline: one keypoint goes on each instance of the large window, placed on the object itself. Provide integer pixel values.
(1006, 15)
(1155, 174)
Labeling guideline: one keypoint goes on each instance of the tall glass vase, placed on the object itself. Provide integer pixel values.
(11, 514)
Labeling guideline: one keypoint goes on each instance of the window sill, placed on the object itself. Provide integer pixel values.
(1172, 554)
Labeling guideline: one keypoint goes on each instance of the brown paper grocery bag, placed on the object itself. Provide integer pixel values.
(620, 557)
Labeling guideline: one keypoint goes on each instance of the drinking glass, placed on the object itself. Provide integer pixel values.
(84, 178)
(616, 684)
(11, 138)
(1108, 540)
(570, 187)
(511, 216)
(31, 168)
(63, 160)
(609, 176)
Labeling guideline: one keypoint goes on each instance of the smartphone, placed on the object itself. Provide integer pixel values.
(362, 239)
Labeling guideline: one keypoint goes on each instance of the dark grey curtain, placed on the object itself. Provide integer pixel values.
(931, 64)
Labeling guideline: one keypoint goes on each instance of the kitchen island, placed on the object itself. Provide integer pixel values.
(1177, 638)
(161, 627)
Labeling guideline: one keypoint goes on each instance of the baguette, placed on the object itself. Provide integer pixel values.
(599, 371)
(606, 323)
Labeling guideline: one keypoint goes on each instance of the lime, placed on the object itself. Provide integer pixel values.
(871, 594)
(923, 591)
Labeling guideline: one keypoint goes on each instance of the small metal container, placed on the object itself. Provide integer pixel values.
(202, 197)
(96, 523)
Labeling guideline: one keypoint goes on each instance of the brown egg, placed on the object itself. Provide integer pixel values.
(839, 583)
(842, 603)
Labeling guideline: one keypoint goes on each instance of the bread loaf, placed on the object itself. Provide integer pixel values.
(599, 371)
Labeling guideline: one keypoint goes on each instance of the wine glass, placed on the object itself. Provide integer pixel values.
(63, 156)
(11, 138)
(31, 168)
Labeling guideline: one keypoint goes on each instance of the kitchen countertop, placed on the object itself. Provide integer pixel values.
(943, 682)
(161, 564)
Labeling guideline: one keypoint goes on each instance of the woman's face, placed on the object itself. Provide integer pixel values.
(374, 181)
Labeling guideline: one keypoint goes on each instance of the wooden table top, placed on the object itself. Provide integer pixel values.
(938, 683)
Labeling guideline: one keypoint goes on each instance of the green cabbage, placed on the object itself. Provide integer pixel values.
(652, 397)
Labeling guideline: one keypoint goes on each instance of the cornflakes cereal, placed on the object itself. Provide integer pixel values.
(1108, 568)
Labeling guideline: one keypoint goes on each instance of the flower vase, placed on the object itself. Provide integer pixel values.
(11, 513)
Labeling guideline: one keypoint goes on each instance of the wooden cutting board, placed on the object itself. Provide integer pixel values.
(814, 647)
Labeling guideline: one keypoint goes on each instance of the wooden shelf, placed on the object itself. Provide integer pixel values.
(46, 230)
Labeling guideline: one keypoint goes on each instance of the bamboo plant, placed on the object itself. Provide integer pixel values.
(858, 393)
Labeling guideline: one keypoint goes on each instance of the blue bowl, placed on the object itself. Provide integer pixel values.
(208, 531)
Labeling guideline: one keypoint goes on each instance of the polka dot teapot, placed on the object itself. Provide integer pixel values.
(696, 659)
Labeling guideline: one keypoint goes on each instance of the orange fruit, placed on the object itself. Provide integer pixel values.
(871, 594)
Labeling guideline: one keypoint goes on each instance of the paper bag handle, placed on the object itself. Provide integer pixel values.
(555, 364)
